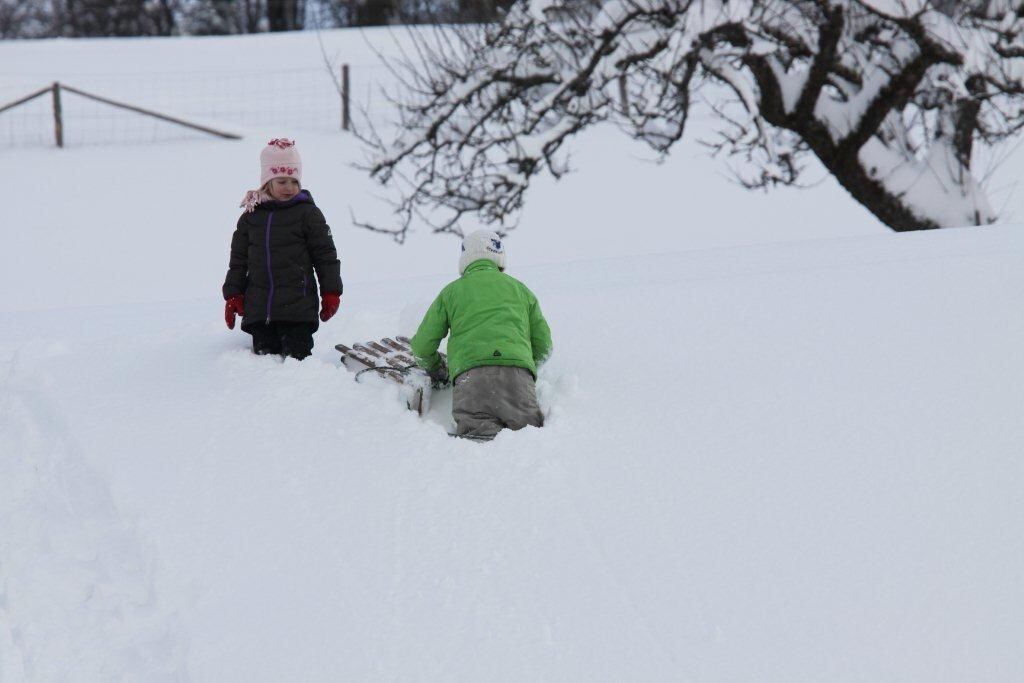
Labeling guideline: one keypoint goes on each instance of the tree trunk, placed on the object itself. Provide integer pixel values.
(375, 13)
(844, 164)
(873, 196)
(284, 15)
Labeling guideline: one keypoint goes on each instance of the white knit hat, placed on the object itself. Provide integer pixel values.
(278, 159)
(482, 244)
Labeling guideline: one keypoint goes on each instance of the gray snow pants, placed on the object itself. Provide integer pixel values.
(489, 398)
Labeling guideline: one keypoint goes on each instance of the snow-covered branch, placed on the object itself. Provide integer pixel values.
(893, 97)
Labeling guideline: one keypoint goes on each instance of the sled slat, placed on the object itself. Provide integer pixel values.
(365, 349)
(394, 345)
(381, 348)
(363, 359)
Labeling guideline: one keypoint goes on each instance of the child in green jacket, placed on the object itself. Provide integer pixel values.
(498, 336)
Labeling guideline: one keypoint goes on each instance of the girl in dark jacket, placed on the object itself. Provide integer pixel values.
(280, 241)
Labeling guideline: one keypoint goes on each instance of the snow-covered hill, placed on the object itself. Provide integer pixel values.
(796, 460)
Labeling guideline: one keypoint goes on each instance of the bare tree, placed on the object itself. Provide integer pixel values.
(390, 12)
(893, 97)
(90, 18)
(222, 17)
(14, 17)
(285, 15)
(80, 18)
(252, 13)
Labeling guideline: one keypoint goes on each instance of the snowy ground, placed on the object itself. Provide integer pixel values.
(783, 444)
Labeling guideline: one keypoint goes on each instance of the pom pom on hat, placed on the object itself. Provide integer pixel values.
(482, 244)
(280, 159)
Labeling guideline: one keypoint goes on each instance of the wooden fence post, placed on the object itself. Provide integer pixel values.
(58, 116)
(344, 97)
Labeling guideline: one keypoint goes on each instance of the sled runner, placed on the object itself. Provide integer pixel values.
(391, 358)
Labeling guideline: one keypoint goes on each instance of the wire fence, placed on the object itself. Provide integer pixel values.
(298, 99)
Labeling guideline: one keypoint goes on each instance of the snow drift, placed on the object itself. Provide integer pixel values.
(781, 463)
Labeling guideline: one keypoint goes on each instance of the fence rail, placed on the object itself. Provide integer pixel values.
(58, 111)
(26, 98)
(114, 108)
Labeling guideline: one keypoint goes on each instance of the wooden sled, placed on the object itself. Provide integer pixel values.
(391, 358)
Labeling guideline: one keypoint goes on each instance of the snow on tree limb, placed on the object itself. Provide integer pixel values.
(893, 97)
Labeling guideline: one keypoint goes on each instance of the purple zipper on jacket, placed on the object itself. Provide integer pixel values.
(270, 273)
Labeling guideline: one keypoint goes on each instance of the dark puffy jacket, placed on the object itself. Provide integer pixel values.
(274, 251)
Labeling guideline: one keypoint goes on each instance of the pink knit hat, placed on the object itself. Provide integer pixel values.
(280, 158)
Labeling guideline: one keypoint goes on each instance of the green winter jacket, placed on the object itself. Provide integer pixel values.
(493, 318)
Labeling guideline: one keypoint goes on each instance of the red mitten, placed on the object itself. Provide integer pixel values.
(329, 302)
(232, 307)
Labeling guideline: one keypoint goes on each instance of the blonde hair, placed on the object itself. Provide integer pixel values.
(266, 186)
